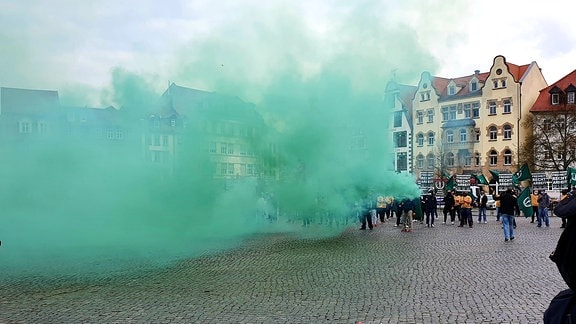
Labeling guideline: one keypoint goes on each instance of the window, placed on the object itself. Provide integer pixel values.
(223, 168)
(445, 114)
(173, 122)
(42, 127)
(493, 157)
(450, 136)
(422, 96)
(230, 168)
(420, 139)
(401, 161)
(463, 136)
(430, 115)
(451, 90)
(400, 139)
(507, 157)
(467, 111)
(398, 119)
(452, 112)
(477, 159)
(250, 169)
(450, 159)
(420, 117)
(467, 159)
(230, 148)
(431, 160)
(493, 133)
(473, 86)
(477, 134)
(475, 110)
(165, 140)
(420, 161)
(430, 139)
(507, 107)
(570, 97)
(503, 82)
(492, 108)
(555, 98)
(25, 127)
(507, 132)
(223, 148)
(495, 84)
(212, 147)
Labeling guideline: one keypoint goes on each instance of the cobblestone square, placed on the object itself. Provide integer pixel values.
(444, 274)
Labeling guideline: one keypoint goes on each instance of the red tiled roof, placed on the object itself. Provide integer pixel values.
(517, 71)
(441, 84)
(544, 103)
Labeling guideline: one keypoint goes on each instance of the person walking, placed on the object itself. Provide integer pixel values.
(407, 207)
(543, 203)
(482, 201)
(366, 214)
(429, 206)
(449, 207)
(508, 206)
(534, 200)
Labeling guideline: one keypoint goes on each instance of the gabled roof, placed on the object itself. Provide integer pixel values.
(27, 101)
(517, 71)
(441, 86)
(406, 95)
(544, 103)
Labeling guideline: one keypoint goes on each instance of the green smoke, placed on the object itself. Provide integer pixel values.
(317, 86)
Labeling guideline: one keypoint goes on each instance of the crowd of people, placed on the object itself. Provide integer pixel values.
(457, 208)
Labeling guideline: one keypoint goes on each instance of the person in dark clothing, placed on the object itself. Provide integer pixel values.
(366, 214)
(449, 207)
(407, 208)
(429, 206)
(508, 207)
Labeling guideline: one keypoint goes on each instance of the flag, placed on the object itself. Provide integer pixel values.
(522, 174)
(571, 176)
(525, 203)
(450, 184)
(495, 175)
(481, 179)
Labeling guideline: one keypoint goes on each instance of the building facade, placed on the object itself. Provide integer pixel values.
(472, 124)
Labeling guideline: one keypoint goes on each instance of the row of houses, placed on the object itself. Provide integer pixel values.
(484, 121)
(492, 120)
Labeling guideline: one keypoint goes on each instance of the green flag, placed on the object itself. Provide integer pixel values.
(522, 174)
(495, 175)
(571, 176)
(451, 183)
(525, 203)
(482, 179)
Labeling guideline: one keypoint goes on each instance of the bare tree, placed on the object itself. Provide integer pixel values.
(553, 142)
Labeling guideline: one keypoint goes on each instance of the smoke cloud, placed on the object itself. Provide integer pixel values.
(315, 73)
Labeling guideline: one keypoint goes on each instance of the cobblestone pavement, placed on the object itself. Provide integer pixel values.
(444, 274)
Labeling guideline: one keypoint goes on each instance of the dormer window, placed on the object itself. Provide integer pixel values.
(473, 86)
(555, 98)
(570, 97)
(451, 90)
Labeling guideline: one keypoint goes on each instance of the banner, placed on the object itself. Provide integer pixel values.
(539, 181)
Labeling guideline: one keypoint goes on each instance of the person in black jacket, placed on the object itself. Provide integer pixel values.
(508, 207)
(449, 207)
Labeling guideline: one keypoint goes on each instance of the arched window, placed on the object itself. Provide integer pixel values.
(420, 161)
(420, 139)
(450, 136)
(493, 157)
(507, 157)
(430, 138)
(450, 159)
(507, 132)
(493, 133)
(431, 160)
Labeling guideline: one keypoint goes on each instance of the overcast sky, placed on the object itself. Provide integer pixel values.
(70, 45)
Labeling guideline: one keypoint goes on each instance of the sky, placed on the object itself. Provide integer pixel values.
(74, 46)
